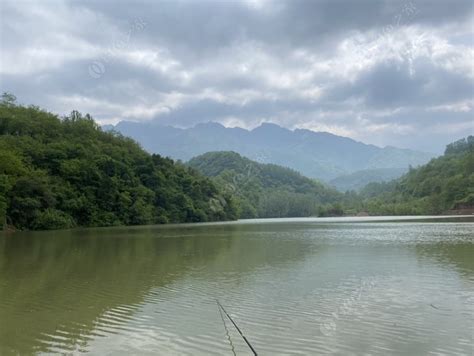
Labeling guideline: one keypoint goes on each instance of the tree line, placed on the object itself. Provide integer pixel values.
(267, 190)
(67, 172)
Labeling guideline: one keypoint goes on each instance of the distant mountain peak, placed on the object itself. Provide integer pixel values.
(210, 124)
(269, 125)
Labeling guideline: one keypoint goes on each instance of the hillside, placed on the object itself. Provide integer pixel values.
(318, 155)
(62, 173)
(267, 190)
(445, 183)
(359, 179)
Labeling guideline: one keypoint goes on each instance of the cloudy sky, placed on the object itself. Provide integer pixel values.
(382, 72)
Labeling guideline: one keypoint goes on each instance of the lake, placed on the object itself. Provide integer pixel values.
(380, 286)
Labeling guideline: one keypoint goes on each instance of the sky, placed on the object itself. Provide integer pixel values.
(381, 72)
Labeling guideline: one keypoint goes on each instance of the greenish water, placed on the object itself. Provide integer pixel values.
(294, 286)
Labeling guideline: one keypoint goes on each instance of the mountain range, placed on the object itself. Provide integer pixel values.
(320, 155)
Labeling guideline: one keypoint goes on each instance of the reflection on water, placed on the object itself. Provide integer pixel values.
(300, 286)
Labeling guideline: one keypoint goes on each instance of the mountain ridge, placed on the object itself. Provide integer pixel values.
(320, 155)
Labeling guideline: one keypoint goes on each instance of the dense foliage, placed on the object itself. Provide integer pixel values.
(268, 190)
(60, 173)
(445, 183)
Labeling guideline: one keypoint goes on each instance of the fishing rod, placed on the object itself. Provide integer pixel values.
(227, 331)
(240, 332)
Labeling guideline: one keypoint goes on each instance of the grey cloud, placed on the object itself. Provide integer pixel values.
(400, 84)
(207, 25)
(183, 67)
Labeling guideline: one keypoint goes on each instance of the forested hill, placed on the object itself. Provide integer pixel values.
(445, 183)
(62, 173)
(267, 190)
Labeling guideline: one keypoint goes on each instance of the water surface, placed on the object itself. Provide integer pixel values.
(294, 286)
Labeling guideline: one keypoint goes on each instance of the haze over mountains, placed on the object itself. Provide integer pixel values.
(359, 179)
(318, 155)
